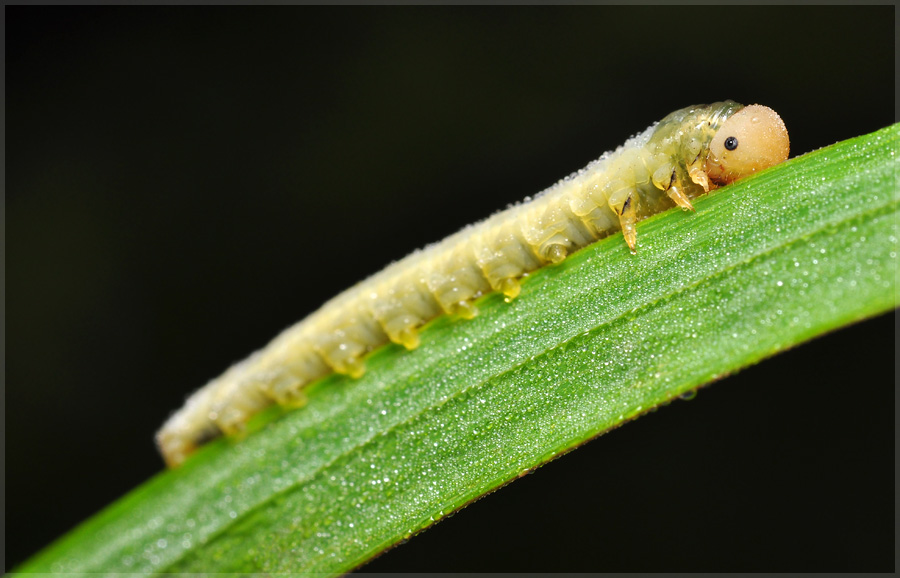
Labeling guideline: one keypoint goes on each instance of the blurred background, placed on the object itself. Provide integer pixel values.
(184, 183)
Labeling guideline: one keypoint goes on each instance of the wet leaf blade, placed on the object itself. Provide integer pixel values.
(762, 266)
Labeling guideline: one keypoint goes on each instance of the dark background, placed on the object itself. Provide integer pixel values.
(184, 183)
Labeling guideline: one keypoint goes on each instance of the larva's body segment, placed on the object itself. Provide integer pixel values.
(504, 255)
(670, 162)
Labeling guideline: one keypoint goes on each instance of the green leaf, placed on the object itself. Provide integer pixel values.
(763, 265)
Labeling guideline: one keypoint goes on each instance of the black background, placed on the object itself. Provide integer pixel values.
(184, 183)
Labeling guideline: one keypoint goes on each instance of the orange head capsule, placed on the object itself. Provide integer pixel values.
(752, 139)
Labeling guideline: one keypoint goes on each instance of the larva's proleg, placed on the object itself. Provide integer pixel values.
(504, 256)
(349, 335)
(554, 231)
(402, 308)
(685, 155)
(456, 281)
(238, 400)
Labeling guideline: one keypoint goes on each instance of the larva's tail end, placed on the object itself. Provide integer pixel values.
(173, 448)
(176, 446)
(178, 439)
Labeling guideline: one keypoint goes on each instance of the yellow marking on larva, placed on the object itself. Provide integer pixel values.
(679, 158)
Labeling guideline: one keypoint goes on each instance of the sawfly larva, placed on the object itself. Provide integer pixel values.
(686, 154)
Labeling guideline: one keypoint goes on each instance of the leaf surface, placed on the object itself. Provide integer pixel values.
(763, 265)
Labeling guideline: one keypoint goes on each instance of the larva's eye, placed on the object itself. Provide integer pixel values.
(763, 141)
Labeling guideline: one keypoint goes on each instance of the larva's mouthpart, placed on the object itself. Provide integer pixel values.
(674, 161)
(753, 139)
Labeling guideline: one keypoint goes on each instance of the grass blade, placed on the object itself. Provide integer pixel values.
(764, 265)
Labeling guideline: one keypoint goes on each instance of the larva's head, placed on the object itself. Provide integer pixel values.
(752, 139)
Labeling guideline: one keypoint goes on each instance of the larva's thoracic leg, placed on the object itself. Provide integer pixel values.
(675, 191)
(667, 178)
(699, 177)
(624, 201)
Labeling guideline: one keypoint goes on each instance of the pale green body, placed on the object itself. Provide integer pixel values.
(631, 183)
